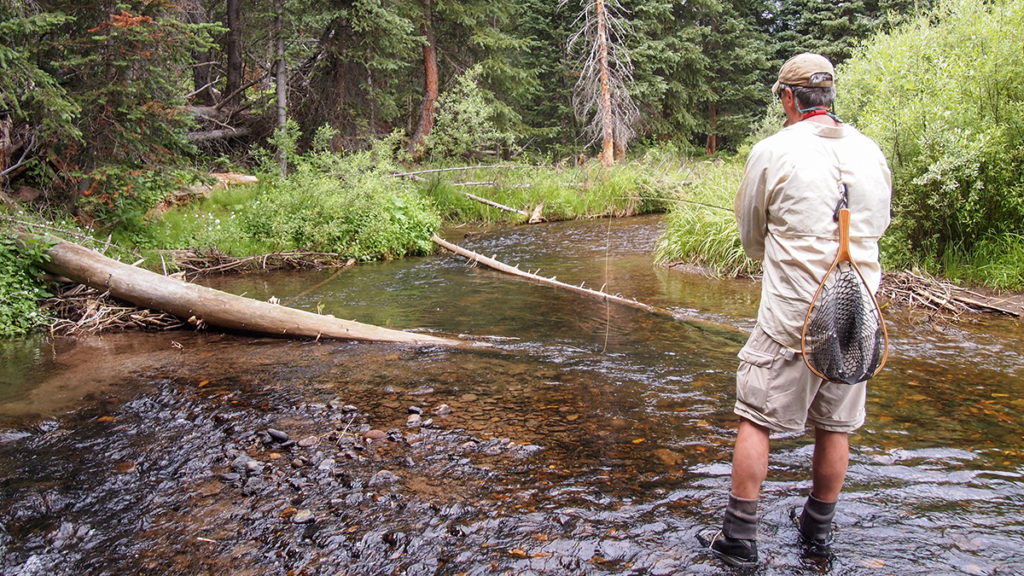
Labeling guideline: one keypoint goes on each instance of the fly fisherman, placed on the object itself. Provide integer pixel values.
(784, 207)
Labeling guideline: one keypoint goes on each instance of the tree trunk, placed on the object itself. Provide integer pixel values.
(282, 85)
(607, 151)
(202, 65)
(426, 122)
(234, 51)
(712, 141)
(202, 305)
(6, 145)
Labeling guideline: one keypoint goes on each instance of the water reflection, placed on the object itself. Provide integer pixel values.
(591, 440)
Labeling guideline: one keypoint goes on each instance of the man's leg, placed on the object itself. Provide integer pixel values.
(828, 469)
(736, 543)
(749, 460)
(831, 459)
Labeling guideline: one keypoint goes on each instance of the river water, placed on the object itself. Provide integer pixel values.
(586, 439)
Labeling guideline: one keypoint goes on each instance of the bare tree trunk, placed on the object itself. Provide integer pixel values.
(711, 145)
(426, 123)
(202, 305)
(282, 84)
(234, 51)
(607, 151)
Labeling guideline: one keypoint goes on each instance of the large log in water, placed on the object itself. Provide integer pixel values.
(212, 307)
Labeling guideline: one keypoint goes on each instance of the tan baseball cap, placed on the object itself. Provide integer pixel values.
(798, 70)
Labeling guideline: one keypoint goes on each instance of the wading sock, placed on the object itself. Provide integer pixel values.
(816, 521)
(736, 542)
(740, 521)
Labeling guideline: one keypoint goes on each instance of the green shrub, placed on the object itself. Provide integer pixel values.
(20, 288)
(349, 205)
(466, 122)
(944, 97)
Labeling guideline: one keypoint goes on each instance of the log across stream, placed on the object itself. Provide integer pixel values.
(206, 306)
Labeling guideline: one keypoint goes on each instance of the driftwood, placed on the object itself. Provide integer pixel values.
(205, 306)
(918, 290)
(600, 295)
(221, 134)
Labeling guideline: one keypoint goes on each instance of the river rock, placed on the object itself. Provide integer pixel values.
(383, 478)
(326, 464)
(374, 435)
(277, 435)
(415, 410)
(303, 517)
(414, 420)
(442, 410)
(308, 441)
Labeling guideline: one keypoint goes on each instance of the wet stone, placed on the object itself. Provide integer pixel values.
(414, 420)
(383, 478)
(303, 517)
(442, 410)
(326, 464)
(415, 410)
(374, 435)
(277, 435)
(308, 441)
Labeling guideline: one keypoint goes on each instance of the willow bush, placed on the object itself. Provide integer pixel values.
(944, 97)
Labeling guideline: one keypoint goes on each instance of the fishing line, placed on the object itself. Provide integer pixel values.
(607, 304)
(704, 204)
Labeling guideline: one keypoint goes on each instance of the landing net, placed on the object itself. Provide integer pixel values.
(844, 338)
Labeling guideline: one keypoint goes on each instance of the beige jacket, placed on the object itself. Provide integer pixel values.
(784, 208)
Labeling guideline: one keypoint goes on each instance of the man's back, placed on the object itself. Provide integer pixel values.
(785, 209)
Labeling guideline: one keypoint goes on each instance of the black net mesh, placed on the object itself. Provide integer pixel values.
(844, 340)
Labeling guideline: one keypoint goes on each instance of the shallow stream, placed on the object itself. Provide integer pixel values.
(586, 439)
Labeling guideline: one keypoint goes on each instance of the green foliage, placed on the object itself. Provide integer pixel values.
(701, 228)
(20, 288)
(944, 96)
(29, 88)
(349, 205)
(465, 124)
(118, 200)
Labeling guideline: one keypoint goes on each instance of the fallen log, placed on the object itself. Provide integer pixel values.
(203, 306)
(600, 295)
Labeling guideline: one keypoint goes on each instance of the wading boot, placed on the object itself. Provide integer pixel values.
(736, 543)
(814, 522)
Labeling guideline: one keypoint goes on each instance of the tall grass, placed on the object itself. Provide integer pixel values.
(565, 192)
(700, 226)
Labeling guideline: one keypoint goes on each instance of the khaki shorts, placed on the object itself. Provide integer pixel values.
(775, 389)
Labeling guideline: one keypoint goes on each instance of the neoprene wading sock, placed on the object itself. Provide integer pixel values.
(740, 521)
(816, 519)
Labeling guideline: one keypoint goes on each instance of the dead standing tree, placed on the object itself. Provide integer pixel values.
(605, 72)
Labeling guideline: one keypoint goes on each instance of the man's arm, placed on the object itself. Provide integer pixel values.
(751, 212)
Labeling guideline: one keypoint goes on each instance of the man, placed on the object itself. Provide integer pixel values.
(790, 191)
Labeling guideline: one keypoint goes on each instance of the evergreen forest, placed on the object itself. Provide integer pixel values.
(111, 108)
